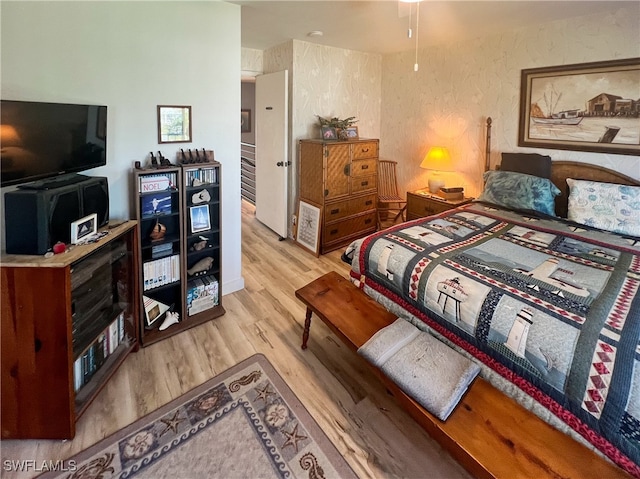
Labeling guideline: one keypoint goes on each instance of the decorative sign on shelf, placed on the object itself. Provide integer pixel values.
(159, 182)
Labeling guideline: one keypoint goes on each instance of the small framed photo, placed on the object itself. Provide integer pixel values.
(308, 234)
(84, 228)
(200, 219)
(156, 204)
(329, 133)
(352, 132)
(153, 310)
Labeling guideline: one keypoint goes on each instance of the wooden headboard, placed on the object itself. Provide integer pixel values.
(561, 170)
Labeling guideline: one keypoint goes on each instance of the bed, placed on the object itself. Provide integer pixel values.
(549, 307)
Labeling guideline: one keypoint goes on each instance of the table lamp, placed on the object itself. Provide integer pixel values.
(436, 159)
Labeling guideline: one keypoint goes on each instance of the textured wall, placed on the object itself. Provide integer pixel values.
(250, 62)
(326, 81)
(332, 82)
(458, 85)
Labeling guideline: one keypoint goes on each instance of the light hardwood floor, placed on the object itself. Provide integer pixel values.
(374, 435)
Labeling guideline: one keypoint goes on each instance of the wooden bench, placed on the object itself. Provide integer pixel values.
(488, 433)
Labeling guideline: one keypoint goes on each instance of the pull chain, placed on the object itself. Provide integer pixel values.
(415, 65)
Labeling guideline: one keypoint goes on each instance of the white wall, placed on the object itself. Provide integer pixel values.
(458, 85)
(132, 56)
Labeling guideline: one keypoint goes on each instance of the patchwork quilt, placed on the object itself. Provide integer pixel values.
(550, 305)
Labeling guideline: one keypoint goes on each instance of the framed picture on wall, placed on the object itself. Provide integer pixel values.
(245, 121)
(174, 124)
(582, 107)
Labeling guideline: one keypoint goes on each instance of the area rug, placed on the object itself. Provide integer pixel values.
(244, 423)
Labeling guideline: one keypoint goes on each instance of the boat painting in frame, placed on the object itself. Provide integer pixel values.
(582, 107)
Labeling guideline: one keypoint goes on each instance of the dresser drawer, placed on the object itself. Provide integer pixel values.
(365, 149)
(360, 184)
(366, 167)
(341, 209)
(358, 225)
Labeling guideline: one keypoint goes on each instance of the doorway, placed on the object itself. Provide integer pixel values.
(248, 141)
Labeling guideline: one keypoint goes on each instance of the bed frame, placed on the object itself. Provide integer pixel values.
(489, 434)
(561, 170)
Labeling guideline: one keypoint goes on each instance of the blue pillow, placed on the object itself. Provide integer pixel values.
(520, 191)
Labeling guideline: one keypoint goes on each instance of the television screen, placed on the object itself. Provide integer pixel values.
(41, 140)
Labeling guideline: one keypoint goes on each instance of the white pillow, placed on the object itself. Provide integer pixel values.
(606, 206)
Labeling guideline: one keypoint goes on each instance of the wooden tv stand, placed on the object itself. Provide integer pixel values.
(56, 315)
(490, 434)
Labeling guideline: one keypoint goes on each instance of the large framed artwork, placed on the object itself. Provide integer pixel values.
(584, 107)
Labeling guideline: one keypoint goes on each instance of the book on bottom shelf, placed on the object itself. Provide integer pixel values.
(202, 294)
(94, 357)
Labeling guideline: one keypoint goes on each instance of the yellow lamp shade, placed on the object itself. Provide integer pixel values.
(437, 158)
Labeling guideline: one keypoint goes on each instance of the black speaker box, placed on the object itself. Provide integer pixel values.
(36, 219)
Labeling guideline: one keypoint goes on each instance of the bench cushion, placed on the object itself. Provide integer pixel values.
(428, 370)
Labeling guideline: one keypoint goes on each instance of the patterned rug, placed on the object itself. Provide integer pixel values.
(244, 423)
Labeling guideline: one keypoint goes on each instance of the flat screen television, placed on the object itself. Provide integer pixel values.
(39, 141)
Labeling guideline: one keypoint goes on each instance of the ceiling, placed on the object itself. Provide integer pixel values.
(381, 26)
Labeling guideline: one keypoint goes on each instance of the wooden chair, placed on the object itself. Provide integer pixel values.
(390, 203)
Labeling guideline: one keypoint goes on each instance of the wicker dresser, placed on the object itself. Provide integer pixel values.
(340, 177)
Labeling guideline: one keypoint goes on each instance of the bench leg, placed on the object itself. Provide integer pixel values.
(307, 326)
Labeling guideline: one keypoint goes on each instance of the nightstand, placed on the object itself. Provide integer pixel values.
(421, 203)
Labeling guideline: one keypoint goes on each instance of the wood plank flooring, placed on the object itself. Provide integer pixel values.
(374, 435)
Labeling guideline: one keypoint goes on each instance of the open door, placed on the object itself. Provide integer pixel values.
(272, 126)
